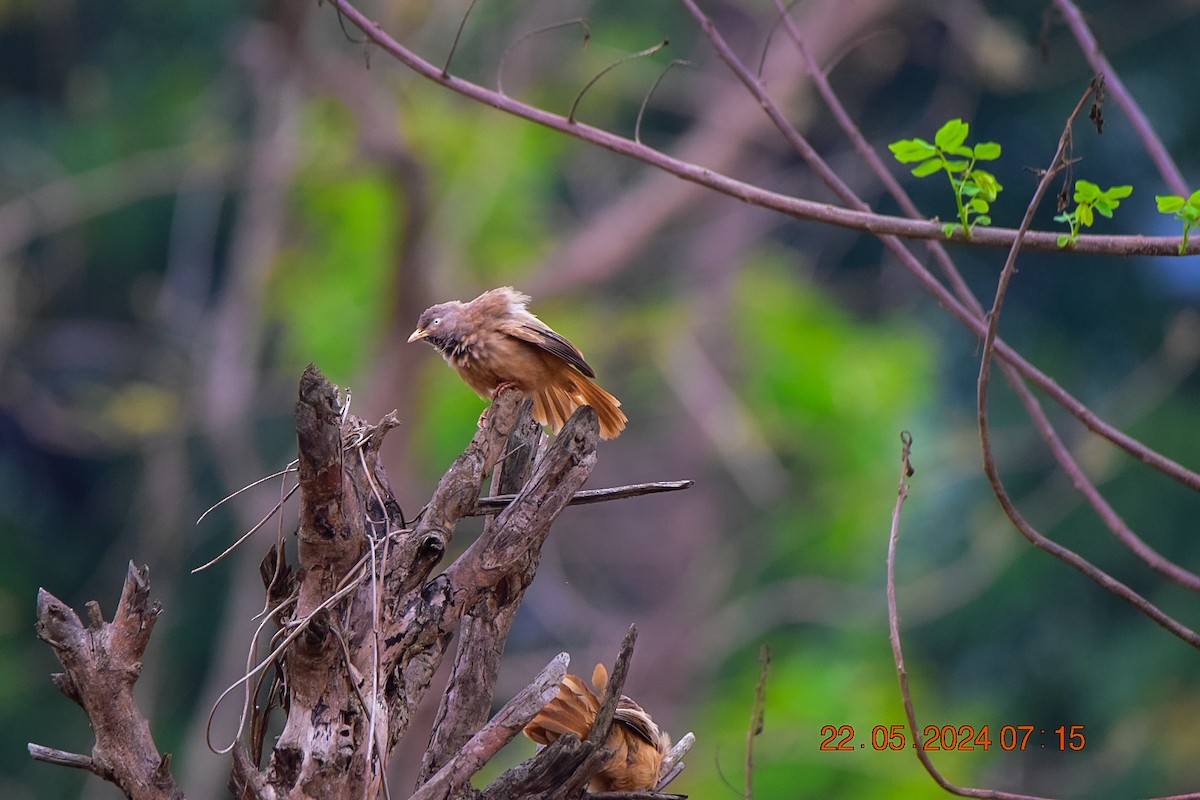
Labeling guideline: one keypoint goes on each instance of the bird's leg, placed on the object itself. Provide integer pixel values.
(503, 386)
(500, 387)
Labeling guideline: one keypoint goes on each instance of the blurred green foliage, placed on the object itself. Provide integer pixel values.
(108, 328)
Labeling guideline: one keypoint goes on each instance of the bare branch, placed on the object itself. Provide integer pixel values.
(1062, 455)
(878, 224)
(757, 717)
(672, 763)
(906, 472)
(483, 631)
(62, 758)
(499, 731)
(968, 315)
(102, 662)
(1113, 84)
(497, 503)
(1060, 552)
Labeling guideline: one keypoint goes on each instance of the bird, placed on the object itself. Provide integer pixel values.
(638, 745)
(494, 341)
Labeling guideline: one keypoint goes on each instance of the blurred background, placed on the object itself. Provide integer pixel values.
(198, 199)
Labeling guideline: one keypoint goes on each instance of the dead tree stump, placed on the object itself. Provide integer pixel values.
(364, 623)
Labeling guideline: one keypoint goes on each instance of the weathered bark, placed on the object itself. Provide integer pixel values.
(364, 626)
(102, 661)
(467, 700)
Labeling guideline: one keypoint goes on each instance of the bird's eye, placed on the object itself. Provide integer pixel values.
(436, 321)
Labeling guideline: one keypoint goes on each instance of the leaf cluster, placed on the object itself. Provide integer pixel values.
(1090, 200)
(1186, 209)
(974, 189)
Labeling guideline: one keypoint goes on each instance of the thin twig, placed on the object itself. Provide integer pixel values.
(457, 35)
(580, 21)
(61, 757)
(497, 503)
(672, 763)
(637, 126)
(757, 717)
(1058, 448)
(376, 628)
(906, 472)
(250, 532)
(1114, 85)
(290, 468)
(649, 51)
(1091, 571)
(867, 222)
(353, 578)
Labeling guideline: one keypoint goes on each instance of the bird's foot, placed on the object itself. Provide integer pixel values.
(503, 386)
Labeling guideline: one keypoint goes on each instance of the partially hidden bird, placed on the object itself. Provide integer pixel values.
(494, 341)
(638, 745)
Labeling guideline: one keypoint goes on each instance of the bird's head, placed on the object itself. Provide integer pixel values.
(443, 325)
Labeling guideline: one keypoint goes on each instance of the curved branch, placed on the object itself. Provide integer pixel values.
(1033, 408)
(906, 471)
(1068, 556)
(887, 228)
(865, 222)
(1115, 86)
(968, 313)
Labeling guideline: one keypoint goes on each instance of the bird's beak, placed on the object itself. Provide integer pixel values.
(419, 333)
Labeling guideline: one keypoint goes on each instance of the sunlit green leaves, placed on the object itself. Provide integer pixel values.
(1187, 210)
(974, 189)
(1090, 200)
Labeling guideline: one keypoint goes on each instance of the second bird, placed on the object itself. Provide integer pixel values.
(494, 341)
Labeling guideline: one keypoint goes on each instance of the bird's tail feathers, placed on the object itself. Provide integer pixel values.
(554, 405)
(573, 710)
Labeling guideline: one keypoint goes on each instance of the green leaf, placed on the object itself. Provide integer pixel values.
(1117, 192)
(949, 228)
(1170, 203)
(1085, 190)
(928, 168)
(961, 150)
(956, 166)
(1084, 215)
(908, 150)
(979, 205)
(952, 134)
(987, 151)
(983, 219)
(1064, 240)
(987, 183)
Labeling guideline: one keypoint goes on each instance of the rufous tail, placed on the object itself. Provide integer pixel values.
(636, 744)
(573, 710)
(554, 405)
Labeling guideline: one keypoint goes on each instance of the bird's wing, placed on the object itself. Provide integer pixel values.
(638, 720)
(528, 328)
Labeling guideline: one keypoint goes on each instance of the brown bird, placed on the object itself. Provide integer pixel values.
(637, 743)
(493, 341)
